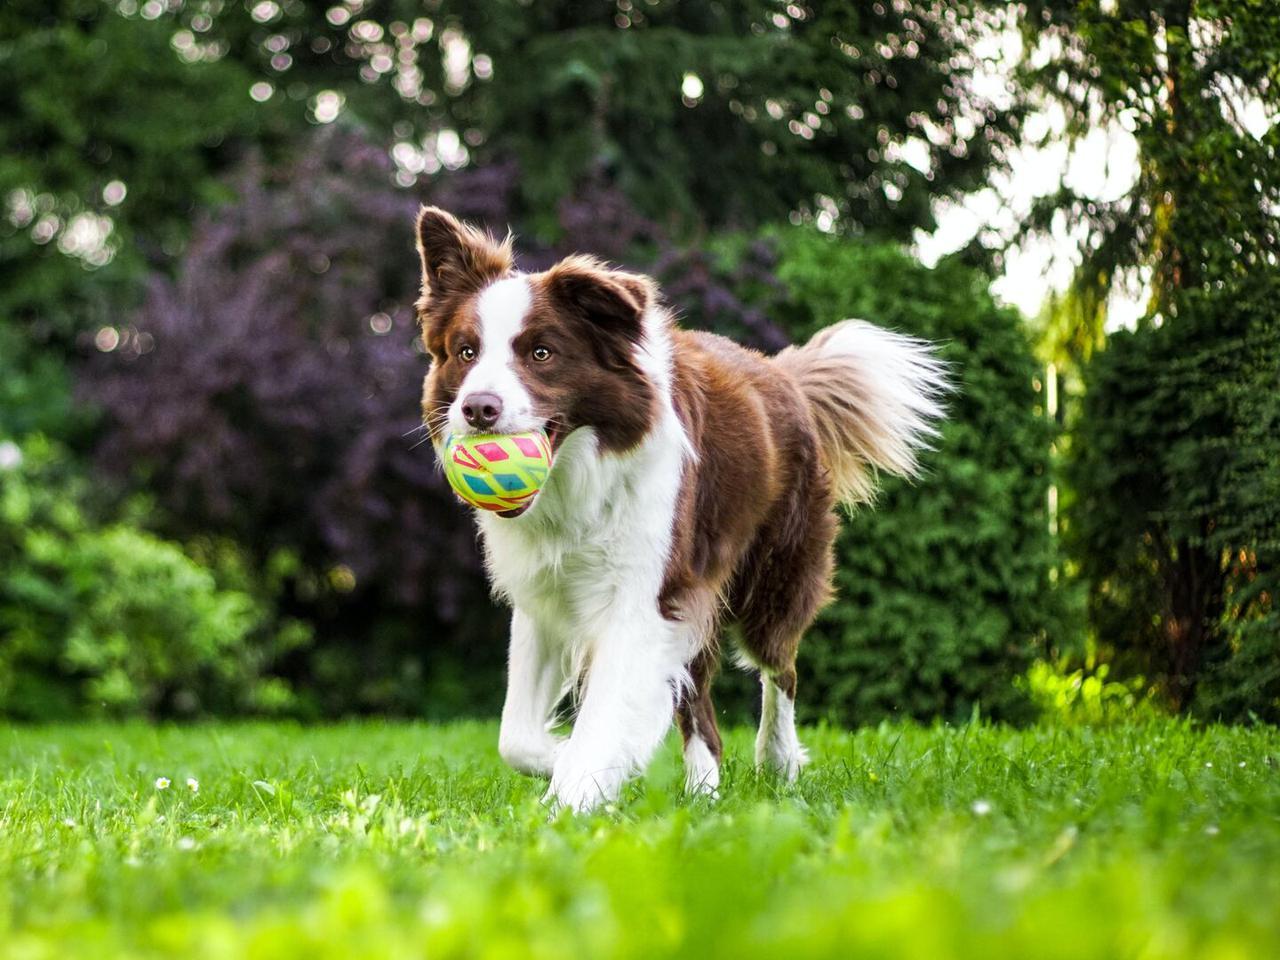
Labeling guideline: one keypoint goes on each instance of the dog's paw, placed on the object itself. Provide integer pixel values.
(701, 770)
(582, 786)
(534, 755)
(786, 760)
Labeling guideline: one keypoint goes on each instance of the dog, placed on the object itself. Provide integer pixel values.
(695, 483)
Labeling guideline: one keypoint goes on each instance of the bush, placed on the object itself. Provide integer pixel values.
(114, 620)
(1066, 693)
(944, 587)
(1176, 520)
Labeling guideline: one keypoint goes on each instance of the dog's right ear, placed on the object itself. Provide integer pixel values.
(613, 301)
(456, 257)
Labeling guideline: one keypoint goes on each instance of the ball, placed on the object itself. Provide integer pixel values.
(497, 472)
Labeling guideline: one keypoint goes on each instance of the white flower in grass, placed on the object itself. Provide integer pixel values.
(193, 784)
(162, 783)
(186, 843)
(981, 808)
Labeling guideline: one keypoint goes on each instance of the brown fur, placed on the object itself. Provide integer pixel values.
(756, 520)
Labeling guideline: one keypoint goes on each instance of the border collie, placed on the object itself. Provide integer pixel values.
(695, 482)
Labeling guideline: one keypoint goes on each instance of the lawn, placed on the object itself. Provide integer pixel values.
(402, 840)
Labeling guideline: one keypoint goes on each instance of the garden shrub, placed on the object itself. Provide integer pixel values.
(1066, 692)
(111, 619)
(1175, 469)
(944, 586)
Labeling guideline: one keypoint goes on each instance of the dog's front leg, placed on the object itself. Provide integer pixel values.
(537, 678)
(627, 706)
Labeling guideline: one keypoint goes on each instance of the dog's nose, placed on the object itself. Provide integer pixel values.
(482, 410)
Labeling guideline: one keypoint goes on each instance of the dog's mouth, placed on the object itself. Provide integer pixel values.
(554, 437)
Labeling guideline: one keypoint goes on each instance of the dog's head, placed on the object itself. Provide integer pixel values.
(512, 352)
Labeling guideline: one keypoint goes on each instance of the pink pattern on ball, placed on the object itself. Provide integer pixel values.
(528, 447)
(491, 451)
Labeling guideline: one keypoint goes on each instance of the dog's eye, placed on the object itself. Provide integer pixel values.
(541, 354)
(467, 354)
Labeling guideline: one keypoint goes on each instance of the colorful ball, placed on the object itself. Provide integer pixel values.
(498, 471)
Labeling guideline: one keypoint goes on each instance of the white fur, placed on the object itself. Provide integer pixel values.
(905, 380)
(876, 399)
(537, 680)
(701, 769)
(502, 309)
(585, 564)
(777, 744)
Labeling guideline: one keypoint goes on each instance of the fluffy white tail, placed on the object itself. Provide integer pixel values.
(876, 398)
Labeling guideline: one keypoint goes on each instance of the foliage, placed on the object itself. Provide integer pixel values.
(270, 393)
(944, 588)
(1157, 840)
(1194, 83)
(113, 620)
(1064, 693)
(704, 114)
(35, 389)
(1176, 523)
(109, 141)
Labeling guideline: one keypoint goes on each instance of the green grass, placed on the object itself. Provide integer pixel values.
(1160, 840)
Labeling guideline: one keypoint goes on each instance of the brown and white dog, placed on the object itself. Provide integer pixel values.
(695, 482)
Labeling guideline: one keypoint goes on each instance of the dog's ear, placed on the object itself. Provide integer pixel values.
(456, 257)
(612, 300)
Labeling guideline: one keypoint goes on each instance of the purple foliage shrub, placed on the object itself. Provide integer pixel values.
(270, 389)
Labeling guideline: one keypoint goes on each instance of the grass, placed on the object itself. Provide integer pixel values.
(372, 840)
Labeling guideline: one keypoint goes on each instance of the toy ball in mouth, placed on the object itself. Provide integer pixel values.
(498, 472)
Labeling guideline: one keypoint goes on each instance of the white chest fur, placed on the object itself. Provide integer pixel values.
(595, 544)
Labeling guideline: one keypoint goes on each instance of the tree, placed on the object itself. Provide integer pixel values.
(1161, 438)
(1195, 83)
(1176, 523)
(706, 114)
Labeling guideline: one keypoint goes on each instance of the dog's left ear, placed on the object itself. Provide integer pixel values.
(456, 257)
(612, 300)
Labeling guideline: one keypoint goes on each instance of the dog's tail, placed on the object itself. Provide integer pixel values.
(876, 398)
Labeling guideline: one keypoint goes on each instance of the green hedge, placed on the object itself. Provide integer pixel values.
(112, 620)
(944, 587)
(1176, 515)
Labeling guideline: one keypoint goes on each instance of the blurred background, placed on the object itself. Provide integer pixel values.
(214, 501)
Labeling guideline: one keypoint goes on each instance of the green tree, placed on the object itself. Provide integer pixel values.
(1195, 82)
(1175, 543)
(109, 145)
(1177, 520)
(706, 113)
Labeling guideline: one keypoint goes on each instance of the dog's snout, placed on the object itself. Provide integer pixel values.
(481, 410)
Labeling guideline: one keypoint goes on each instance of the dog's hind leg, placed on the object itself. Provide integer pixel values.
(777, 743)
(537, 679)
(697, 719)
(784, 584)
